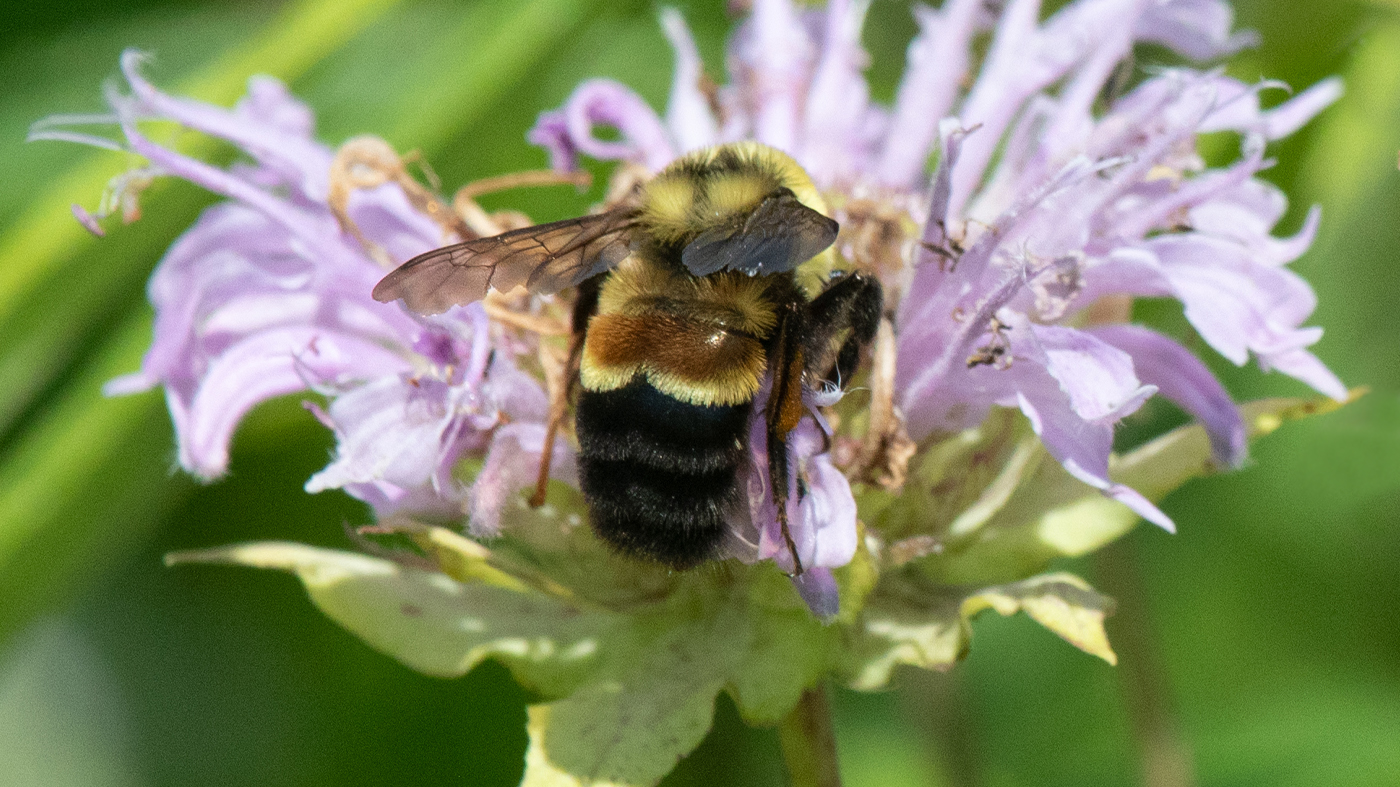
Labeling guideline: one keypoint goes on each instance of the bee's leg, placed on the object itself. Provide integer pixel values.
(852, 303)
(785, 408)
(585, 304)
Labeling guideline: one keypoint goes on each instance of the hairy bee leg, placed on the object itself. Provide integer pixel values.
(853, 303)
(585, 305)
(785, 408)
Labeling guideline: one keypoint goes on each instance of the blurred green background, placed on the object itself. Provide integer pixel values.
(1261, 645)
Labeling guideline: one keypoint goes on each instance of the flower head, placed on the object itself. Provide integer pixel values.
(1013, 206)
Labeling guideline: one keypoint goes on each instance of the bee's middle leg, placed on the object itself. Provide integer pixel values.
(585, 306)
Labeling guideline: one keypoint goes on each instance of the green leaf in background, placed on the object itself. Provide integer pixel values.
(790, 651)
(621, 677)
(1061, 602)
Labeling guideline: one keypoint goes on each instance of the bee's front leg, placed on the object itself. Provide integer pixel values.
(851, 305)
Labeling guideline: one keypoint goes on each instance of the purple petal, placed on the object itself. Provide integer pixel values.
(1097, 377)
(688, 116)
(1081, 448)
(938, 58)
(264, 366)
(1024, 59)
(385, 217)
(821, 522)
(944, 313)
(298, 221)
(1237, 108)
(834, 144)
(774, 55)
(1237, 304)
(936, 226)
(1183, 379)
(1303, 365)
(828, 511)
(1068, 127)
(406, 431)
(513, 464)
(88, 221)
(1237, 221)
(937, 392)
(270, 103)
(551, 132)
(1159, 213)
(817, 587)
(604, 102)
(1283, 120)
(269, 125)
(516, 393)
(1198, 29)
(1126, 271)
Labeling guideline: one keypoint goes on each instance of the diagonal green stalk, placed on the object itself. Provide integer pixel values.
(808, 741)
(469, 79)
(1165, 757)
(87, 481)
(51, 302)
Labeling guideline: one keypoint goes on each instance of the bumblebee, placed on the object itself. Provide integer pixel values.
(691, 294)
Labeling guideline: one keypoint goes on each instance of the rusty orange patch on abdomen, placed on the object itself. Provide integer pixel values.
(695, 361)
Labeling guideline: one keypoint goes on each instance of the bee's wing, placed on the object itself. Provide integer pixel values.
(779, 235)
(545, 258)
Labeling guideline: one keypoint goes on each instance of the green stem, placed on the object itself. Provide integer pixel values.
(1166, 759)
(808, 740)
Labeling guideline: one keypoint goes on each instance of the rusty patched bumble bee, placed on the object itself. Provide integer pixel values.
(690, 294)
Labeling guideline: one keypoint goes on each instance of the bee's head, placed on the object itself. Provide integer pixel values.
(713, 186)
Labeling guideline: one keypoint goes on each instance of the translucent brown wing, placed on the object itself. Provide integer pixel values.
(779, 235)
(545, 258)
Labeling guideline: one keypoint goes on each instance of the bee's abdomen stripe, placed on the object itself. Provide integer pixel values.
(638, 424)
(659, 473)
(676, 519)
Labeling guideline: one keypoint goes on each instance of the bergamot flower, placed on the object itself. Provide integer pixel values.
(1013, 205)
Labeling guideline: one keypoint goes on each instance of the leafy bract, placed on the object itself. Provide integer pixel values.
(431, 622)
(631, 694)
(1009, 524)
(628, 656)
(912, 622)
(650, 705)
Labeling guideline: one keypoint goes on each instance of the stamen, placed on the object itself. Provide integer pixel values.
(369, 162)
(502, 313)
(581, 179)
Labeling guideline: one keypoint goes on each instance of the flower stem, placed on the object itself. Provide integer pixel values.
(1166, 759)
(808, 740)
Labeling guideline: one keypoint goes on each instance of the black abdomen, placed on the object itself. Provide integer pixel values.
(659, 473)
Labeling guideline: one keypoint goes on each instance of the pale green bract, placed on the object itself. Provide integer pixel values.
(627, 659)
